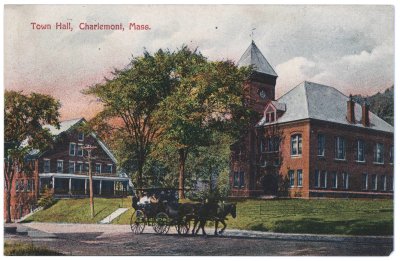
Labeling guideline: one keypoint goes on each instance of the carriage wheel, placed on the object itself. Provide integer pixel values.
(138, 222)
(183, 227)
(161, 224)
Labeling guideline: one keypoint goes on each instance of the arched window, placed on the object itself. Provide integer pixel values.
(296, 145)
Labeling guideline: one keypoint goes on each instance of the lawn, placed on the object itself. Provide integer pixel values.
(316, 216)
(25, 249)
(78, 210)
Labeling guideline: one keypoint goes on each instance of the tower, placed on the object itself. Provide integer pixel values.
(261, 85)
(259, 89)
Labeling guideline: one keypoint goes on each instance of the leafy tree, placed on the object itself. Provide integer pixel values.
(130, 100)
(24, 116)
(208, 97)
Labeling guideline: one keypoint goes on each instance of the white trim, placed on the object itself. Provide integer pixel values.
(69, 162)
(59, 175)
(95, 168)
(77, 150)
(69, 149)
(104, 147)
(62, 165)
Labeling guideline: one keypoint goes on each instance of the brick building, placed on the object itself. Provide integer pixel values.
(63, 169)
(313, 141)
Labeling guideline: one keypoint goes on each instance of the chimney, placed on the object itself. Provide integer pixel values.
(350, 110)
(365, 114)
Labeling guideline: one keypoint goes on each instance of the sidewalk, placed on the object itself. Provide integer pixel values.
(107, 229)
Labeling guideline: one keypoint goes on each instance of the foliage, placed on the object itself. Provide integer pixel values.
(130, 100)
(46, 199)
(25, 249)
(24, 116)
(382, 104)
(168, 101)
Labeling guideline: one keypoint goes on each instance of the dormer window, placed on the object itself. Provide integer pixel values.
(270, 114)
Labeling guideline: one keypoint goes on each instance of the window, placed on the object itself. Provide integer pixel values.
(29, 185)
(378, 153)
(60, 166)
(291, 178)
(383, 183)
(71, 167)
(374, 181)
(86, 167)
(98, 167)
(340, 148)
(241, 179)
(270, 114)
(32, 185)
(81, 136)
(391, 154)
(360, 151)
(17, 185)
(299, 177)
(273, 144)
(321, 145)
(324, 179)
(236, 179)
(296, 145)
(364, 181)
(109, 168)
(345, 177)
(80, 150)
(334, 180)
(46, 165)
(316, 179)
(79, 167)
(72, 147)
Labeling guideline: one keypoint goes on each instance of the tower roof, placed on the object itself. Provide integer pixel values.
(253, 56)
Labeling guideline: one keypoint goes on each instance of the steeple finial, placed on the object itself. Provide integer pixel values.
(252, 34)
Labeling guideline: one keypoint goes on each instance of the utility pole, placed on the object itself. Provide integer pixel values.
(89, 149)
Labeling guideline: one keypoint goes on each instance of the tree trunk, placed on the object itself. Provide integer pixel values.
(8, 205)
(182, 160)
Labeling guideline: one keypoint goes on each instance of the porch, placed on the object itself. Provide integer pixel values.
(72, 185)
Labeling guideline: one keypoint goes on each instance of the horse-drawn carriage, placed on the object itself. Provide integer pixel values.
(167, 212)
(161, 215)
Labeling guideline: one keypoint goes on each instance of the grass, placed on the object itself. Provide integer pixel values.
(24, 249)
(316, 216)
(78, 210)
(324, 216)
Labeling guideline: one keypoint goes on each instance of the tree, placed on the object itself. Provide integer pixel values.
(24, 116)
(130, 101)
(207, 97)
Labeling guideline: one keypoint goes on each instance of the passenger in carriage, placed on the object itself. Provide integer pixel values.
(144, 199)
(153, 199)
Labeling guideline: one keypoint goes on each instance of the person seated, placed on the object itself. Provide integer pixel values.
(144, 199)
(153, 199)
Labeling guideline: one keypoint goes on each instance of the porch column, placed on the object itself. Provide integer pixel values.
(86, 186)
(127, 187)
(54, 184)
(100, 187)
(70, 185)
(114, 188)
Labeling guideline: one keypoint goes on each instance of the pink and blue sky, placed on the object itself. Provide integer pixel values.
(348, 47)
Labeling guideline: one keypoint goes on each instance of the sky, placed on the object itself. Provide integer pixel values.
(348, 47)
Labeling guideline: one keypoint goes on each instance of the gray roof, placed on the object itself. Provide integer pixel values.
(253, 56)
(64, 126)
(68, 124)
(315, 101)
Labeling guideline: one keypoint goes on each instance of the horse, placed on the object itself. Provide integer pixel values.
(216, 212)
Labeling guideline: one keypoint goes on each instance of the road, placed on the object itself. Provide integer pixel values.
(94, 239)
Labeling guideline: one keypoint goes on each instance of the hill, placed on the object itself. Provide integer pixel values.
(382, 104)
